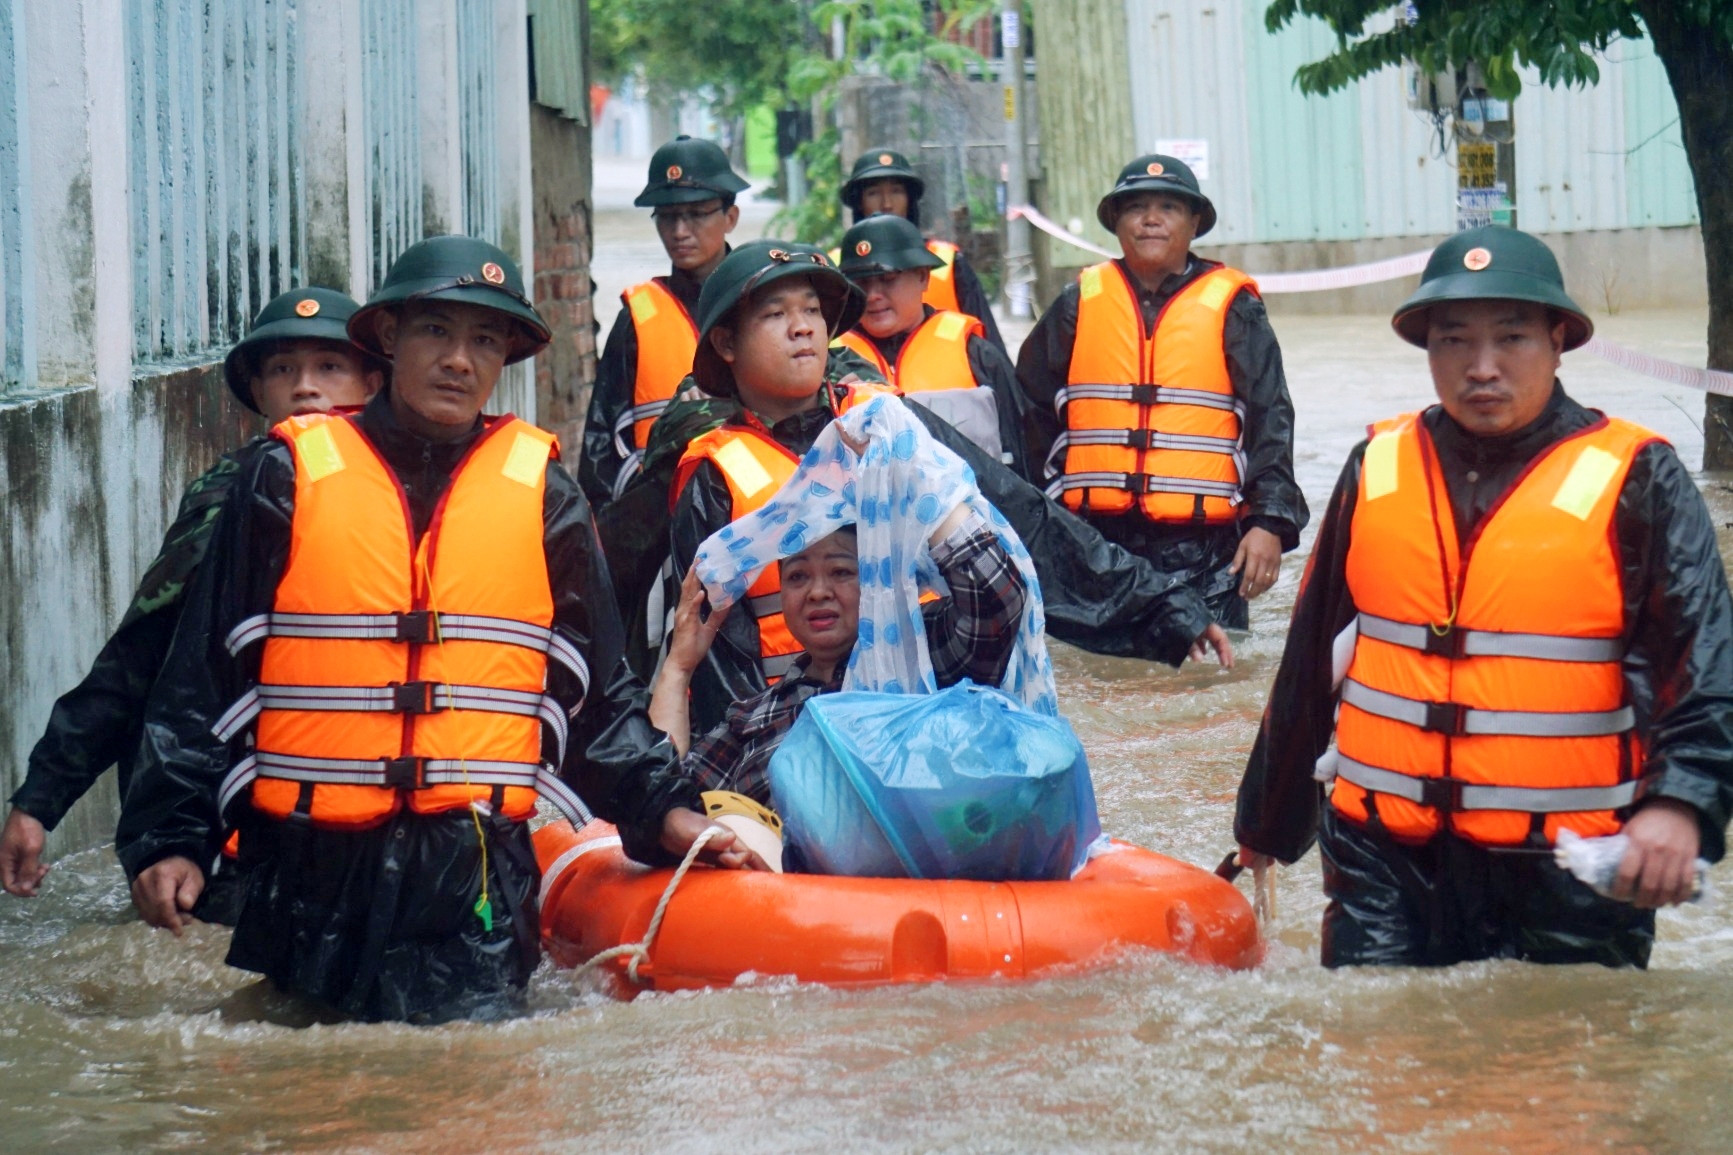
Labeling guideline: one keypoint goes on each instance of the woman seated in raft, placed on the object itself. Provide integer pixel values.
(970, 634)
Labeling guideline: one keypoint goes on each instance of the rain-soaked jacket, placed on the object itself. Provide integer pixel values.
(381, 923)
(1097, 596)
(97, 723)
(1272, 497)
(1679, 663)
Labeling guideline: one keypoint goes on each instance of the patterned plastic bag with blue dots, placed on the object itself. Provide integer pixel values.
(894, 493)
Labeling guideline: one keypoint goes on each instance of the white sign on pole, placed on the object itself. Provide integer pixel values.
(1195, 154)
(1010, 29)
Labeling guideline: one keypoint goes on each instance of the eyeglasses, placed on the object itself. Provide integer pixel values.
(691, 218)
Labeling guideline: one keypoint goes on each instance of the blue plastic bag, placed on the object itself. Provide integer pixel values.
(964, 783)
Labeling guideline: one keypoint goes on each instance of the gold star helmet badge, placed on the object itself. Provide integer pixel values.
(306, 307)
(1155, 168)
(493, 274)
(886, 158)
(675, 172)
(1475, 260)
(863, 248)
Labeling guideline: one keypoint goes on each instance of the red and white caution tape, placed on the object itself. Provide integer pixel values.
(1351, 276)
(1672, 372)
(1317, 281)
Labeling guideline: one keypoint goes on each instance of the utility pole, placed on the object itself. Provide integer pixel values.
(1018, 262)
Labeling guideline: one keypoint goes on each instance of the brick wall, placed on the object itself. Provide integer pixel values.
(560, 151)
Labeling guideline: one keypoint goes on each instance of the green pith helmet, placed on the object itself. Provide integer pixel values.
(883, 164)
(1157, 173)
(1492, 263)
(687, 170)
(460, 269)
(310, 314)
(750, 268)
(885, 244)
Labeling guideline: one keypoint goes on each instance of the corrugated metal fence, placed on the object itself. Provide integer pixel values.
(218, 213)
(392, 130)
(1358, 164)
(478, 98)
(17, 328)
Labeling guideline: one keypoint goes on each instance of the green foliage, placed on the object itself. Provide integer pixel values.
(1558, 39)
(741, 51)
(891, 38)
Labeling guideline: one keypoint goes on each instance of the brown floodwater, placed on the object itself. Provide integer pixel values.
(114, 1037)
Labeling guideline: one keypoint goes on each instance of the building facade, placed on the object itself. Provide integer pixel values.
(166, 167)
(1310, 182)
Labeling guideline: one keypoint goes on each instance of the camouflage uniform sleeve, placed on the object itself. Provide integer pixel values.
(98, 723)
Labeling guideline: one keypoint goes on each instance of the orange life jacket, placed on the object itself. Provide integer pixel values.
(1150, 422)
(1486, 693)
(667, 343)
(935, 356)
(755, 466)
(397, 671)
(941, 291)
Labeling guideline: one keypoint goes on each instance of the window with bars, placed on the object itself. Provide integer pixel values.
(218, 201)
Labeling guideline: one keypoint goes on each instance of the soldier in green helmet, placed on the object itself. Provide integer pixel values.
(1515, 631)
(765, 318)
(1158, 401)
(939, 358)
(404, 634)
(690, 193)
(296, 358)
(883, 181)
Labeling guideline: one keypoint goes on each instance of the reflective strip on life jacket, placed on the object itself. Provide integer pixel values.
(667, 343)
(405, 774)
(941, 290)
(755, 466)
(1150, 422)
(1485, 694)
(382, 652)
(423, 627)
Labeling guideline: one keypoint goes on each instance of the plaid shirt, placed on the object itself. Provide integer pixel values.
(969, 635)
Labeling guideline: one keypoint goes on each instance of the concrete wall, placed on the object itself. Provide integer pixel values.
(96, 447)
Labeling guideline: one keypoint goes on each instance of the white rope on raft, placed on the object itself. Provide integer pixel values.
(1352, 276)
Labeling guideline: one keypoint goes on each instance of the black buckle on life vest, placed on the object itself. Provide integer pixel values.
(416, 626)
(1446, 718)
(1448, 644)
(1442, 794)
(405, 773)
(414, 698)
(1140, 438)
(1145, 394)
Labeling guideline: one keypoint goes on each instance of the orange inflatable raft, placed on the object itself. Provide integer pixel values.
(849, 932)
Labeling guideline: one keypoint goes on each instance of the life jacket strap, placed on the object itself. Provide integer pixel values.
(403, 774)
(1141, 483)
(648, 411)
(397, 698)
(629, 467)
(419, 627)
(1450, 795)
(776, 666)
(1147, 395)
(1457, 720)
(1459, 643)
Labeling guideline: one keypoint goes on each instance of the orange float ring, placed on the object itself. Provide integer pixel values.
(850, 932)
